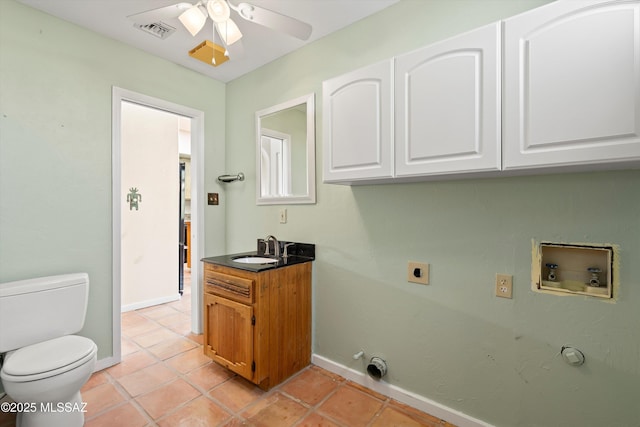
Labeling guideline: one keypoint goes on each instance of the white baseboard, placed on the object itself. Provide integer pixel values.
(412, 399)
(149, 303)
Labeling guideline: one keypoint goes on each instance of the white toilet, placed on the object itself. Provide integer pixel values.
(45, 365)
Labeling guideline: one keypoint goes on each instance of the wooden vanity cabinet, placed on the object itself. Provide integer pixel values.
(258, 325)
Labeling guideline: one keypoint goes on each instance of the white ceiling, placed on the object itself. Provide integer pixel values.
(260, 45)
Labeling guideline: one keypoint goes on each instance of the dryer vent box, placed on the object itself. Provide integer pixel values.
(576, 269)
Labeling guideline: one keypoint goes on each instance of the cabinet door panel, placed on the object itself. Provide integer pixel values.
(572, 84)
(357, 124)
(448, 106)
(229, 334)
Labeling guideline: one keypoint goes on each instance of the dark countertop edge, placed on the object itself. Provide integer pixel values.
(227, 261)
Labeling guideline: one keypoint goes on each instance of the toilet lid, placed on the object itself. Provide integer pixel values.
(49, 356)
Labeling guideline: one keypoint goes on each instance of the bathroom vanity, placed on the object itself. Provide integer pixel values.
(257, 316)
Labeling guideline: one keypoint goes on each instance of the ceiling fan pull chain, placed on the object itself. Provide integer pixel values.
(224, 42)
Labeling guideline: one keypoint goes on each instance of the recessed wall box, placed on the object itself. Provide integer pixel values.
(575, 269)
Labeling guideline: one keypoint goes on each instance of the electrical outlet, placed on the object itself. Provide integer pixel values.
(418, 272)
(283, 216)
(504, 286)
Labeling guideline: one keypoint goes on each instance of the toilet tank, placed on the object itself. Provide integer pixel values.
(36, 310)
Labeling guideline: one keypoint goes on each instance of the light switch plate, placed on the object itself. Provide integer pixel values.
(418, 272)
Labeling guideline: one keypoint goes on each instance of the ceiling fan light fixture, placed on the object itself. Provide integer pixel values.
(193, 20)
(218, 10)
(228, 32)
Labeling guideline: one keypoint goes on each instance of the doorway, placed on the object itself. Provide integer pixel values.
(196, 117)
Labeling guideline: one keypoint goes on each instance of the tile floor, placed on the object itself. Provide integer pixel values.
(165, 380)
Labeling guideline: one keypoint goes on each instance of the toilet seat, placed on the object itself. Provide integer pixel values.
(47, 359)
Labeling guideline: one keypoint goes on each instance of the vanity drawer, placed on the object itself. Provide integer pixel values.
(232, 287)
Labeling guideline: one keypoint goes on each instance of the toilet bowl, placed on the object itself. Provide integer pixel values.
(45, 365)
(50, 385)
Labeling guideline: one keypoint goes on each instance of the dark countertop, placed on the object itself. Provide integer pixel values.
(227, 261)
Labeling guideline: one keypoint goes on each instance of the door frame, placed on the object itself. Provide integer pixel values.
(197, 207)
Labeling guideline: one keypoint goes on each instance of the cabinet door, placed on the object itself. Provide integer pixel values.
(229, 334)
(447, 106)
(572, 85)
(357, 124)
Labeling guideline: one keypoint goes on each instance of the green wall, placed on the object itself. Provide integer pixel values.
(55, 148)
(453, 341)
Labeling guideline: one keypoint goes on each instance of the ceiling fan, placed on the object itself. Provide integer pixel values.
(194, 17)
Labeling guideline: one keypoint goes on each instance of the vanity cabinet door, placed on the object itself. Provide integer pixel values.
(447, 106)
(572, 85)
(229, 334)
(357, 125)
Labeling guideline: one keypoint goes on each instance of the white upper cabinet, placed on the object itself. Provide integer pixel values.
(572, 85)
(357, 125)
(447, 106)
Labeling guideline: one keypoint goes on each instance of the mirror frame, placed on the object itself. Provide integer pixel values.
(310, 197)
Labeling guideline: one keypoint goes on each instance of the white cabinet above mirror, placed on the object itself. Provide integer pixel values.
(285, 153)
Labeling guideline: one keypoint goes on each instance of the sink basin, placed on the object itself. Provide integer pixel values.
(253, 259)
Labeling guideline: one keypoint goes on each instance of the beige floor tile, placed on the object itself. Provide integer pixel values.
(132, 318)
(236, 394)
(200, 412)
(316, 420)
(209, 376)
(157, 311)
(96, 379)
(125, 415)
(154, 337)
(167, 398)
(132, 363)
(101, 398)
(127, 347)
(351, 406)
(275, 410)
(310, 386)
(189, 360)
(415, 414)
(147, 379)
(198, 339)
(174, 318)
(143, 328)
(169, 348)
(393, 417)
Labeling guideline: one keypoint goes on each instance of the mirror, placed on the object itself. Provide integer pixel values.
(285, 153)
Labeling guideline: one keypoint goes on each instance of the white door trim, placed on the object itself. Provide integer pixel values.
(197, 207)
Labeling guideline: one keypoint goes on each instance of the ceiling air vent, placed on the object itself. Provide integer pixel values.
(158, 29)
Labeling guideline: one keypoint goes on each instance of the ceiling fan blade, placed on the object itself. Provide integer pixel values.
(275, 20)
(159, 14)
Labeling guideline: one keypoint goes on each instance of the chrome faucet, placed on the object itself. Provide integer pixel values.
(276, 246)
(286, 248)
